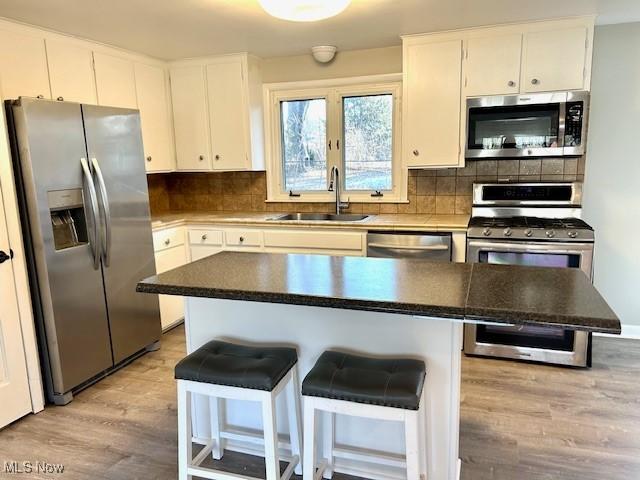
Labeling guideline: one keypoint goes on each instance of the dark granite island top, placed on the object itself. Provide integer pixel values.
(491, 293)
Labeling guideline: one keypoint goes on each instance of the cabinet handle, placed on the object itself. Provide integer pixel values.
(60, 99)
(204, 237)
(40, 97)
(167, 241)
(511, 83)
(416, 153)
(201, 157)
(217, 157)
(149, 158)
(535, 81)
(241, 239)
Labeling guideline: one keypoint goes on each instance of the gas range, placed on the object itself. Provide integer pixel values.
(531, 228)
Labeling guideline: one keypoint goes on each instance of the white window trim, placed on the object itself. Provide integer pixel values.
(333, 91)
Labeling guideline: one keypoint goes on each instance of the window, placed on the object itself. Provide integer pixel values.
(354, 128)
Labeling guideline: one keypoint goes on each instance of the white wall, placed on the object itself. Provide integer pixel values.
(612, 178)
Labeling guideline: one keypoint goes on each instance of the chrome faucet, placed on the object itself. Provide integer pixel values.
(335, 180)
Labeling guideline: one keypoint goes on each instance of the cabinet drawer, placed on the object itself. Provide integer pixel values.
(294, 239)
(243, 238)
(205, 237)
(167, 238)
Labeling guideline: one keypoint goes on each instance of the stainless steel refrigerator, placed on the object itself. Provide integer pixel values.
(86, 225)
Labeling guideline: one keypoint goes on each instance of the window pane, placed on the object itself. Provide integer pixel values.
(304, 140)
(368, 142)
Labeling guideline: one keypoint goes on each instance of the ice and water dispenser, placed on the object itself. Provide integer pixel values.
(67, 218)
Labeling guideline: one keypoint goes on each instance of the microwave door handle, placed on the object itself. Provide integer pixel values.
(562, 124)
(107, 212)
(95, 242)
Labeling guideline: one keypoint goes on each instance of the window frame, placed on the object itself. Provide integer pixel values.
(333, 91)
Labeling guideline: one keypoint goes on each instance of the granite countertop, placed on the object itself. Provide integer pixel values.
(416, 222)
(492, 293)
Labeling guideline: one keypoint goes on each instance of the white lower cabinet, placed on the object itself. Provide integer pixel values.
(323, 242)
(170, 253)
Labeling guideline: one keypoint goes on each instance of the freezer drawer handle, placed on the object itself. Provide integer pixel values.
(438, 247)
(93, 199)
(106, 211)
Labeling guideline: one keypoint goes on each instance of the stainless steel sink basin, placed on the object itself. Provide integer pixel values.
(320, 217)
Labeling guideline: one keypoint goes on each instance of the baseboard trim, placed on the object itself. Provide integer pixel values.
(628, 331)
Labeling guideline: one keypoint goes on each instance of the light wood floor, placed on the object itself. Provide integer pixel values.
(518, 422)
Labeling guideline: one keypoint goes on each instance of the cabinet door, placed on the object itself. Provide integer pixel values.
(492, 65)
(201, 251)
(154, 117)
(23, 66)
(71, 72)
(171, 307)
(432, 104)
(227, 116)
(115, 81)
(190, 122)
(554, 60)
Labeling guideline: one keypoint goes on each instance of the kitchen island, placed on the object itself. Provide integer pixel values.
(375, 307)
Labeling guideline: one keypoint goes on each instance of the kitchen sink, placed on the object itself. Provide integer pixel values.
(320, 217)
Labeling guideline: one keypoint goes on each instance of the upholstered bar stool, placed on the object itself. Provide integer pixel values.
(221, 371)
(383, 389)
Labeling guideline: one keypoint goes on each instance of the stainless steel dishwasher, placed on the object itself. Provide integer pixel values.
(427, 246)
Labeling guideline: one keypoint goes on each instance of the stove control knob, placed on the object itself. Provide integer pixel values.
(486, 232)
(507, 232)
(528, 232)
(551, 233)
(572, 234)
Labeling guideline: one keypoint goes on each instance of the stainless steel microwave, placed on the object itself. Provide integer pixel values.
(536, 125)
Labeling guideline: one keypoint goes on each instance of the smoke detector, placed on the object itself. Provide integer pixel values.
(324, 53)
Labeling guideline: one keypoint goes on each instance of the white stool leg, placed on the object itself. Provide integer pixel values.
(185, 454)
(412, 442)
(328, 440)
(422, 431)
(295, 419)
(215, 412)
(271, 459)
(309, 467)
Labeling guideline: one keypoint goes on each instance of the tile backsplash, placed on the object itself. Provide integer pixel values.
(442, 191)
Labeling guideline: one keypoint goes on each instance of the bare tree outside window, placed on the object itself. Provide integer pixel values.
(368, 142)
(304, 140)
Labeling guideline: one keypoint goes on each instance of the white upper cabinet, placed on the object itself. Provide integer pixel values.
(555, 59)
(115, 81)
(190, 118)
(154, 116)
(431, 102)
(492, 65)
(227, 115)
(71, 72)
(23, 66)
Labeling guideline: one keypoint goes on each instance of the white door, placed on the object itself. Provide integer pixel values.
(15, 399)
(554, 60)
(433, 81)
(227, 116)
(171, 307)
(71, 72)
(115, 81)
(154, 116)
(191, 125)
(23, 66)
(492, 65)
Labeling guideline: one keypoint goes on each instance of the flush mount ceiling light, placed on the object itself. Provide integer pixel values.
(304, 10)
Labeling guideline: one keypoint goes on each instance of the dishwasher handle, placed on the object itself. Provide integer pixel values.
(431, 248)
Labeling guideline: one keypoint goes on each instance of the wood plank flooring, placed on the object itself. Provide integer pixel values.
(518, 422)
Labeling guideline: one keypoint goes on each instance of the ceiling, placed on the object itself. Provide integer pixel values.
(172, 29)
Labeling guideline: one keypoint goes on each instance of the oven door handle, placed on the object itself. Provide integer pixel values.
(576, 248)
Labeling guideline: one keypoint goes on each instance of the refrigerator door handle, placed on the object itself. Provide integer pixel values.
(104, 200)
(93, 199)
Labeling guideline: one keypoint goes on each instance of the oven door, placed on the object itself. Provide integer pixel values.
(525, 342)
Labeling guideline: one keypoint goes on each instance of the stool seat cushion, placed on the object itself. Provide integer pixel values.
(386, 382)
(222, 363)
